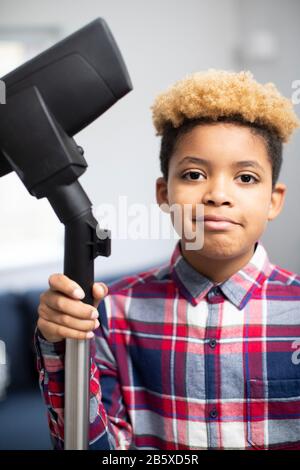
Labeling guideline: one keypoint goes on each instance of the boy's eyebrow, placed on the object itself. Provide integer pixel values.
(239, 164)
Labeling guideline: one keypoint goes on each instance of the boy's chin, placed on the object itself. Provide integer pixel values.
(213, 249)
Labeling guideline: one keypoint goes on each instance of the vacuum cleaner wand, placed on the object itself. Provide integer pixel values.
(48, 100)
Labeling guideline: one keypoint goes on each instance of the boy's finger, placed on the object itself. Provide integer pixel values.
(62, 332)
(100, 290)
(59, 303)
(62, 283)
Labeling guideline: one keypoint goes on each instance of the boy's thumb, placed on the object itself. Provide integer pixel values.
(99, 289)
(99, 292)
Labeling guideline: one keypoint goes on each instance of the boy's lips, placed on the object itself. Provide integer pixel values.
(215, 222)
(215, 218)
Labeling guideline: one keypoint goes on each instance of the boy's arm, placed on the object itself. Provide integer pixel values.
(109, 426)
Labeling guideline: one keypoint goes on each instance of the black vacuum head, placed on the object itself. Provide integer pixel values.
(52, 97)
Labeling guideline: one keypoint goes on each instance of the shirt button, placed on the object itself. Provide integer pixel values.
(212, 343)
(213, 413)
(213, 292)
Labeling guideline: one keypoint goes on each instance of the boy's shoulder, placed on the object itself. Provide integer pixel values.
(283, 277)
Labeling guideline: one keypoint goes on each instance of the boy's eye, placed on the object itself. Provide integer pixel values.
(195, 174)
(248, 176)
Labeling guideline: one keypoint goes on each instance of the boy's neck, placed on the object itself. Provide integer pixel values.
(216, 270)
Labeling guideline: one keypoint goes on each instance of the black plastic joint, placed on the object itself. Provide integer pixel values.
(102, 245)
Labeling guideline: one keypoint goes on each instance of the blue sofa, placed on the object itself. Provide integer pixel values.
(23, 417)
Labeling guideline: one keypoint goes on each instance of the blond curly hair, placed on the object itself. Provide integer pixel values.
(214, 93)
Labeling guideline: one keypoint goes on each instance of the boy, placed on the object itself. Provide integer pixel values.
(201, 353)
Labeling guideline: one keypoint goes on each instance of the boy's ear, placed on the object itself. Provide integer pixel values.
(162, 193)
(277, 200)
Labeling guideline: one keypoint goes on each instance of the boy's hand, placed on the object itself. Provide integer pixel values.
(61, 312)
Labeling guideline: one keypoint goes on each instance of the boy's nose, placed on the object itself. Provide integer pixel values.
(217, 197)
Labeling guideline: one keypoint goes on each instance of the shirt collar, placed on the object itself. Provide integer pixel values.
(238, 288)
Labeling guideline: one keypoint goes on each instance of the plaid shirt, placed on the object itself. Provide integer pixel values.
(179, 362)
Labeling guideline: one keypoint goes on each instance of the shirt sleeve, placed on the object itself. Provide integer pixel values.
(109, 423)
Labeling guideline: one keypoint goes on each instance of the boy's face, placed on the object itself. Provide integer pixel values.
(241, 193)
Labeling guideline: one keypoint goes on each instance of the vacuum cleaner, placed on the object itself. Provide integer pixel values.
(49, 99)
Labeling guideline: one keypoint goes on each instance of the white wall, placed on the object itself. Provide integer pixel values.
(278, 22)
(161, 41)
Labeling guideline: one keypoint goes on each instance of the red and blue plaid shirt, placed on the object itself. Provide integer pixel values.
(179, 362)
